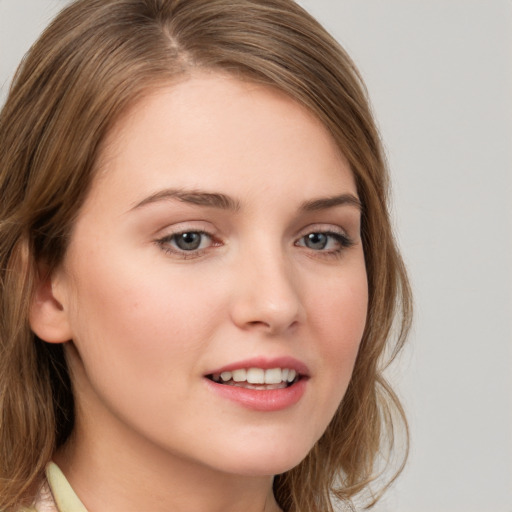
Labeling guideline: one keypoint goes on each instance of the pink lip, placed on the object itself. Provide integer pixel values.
(266, 364)
(259, 399)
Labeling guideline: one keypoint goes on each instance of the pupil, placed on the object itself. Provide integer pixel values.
(188, 241)
(316, 240)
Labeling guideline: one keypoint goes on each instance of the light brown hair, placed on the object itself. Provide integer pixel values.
(95, 60)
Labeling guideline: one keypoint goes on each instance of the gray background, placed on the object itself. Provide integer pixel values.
(439, 74)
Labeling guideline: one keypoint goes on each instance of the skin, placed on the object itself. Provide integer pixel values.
(148, 321)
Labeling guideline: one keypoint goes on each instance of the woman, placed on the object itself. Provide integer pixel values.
(199, 277)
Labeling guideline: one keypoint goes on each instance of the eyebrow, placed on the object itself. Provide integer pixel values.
(225, 202)
(325, 203)
(197, 197)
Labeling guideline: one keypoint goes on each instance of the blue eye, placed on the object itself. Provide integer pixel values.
(187, 241)
(328, 242)
(316, 241)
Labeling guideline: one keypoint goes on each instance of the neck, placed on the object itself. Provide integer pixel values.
(131, 476)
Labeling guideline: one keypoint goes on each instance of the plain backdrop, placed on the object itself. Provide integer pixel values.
(439, 74)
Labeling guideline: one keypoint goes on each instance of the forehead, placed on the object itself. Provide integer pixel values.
(212, 131)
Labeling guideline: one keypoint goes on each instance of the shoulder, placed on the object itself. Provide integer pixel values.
(55, 494)
(44, 501)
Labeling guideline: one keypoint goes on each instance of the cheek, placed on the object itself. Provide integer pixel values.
(339, 321)
(341, 311)
(140, 336)
(142, 317)
(134, 314)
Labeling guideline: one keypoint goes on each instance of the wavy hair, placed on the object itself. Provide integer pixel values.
(94, 61)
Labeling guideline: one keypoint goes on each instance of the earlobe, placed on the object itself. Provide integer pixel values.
(48, 316)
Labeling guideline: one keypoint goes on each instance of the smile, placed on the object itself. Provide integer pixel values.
(257, 378)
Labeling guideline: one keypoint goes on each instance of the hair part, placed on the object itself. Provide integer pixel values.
(92, 63)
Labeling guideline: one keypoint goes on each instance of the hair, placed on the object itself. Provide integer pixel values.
(94, 61)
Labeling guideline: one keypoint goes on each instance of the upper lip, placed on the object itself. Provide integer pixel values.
(266, 364)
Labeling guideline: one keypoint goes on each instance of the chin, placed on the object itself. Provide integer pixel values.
(265, 461)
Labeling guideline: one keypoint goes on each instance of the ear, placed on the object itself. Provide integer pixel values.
(48, 316)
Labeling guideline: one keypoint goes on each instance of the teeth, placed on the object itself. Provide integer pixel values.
(274, 376)
(239, 375)
(257, 376)
(225, 376)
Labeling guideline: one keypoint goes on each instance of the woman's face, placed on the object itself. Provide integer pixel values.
(218, 247)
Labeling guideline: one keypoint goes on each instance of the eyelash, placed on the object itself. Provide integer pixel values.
(165, 244)
(342, 242)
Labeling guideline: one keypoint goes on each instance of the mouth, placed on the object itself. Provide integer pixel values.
(257, 378)
(261, 384)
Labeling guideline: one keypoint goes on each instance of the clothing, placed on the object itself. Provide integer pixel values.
(56, 495)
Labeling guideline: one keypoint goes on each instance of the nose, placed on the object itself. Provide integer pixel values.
(266, 293)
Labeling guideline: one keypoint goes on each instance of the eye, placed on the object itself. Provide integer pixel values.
(186, 241)
(324, 241)
(316, 241)
(190, 241)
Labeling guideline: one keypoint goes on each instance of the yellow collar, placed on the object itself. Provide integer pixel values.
(65, 498)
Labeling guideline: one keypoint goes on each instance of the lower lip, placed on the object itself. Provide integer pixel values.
(267, 400)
